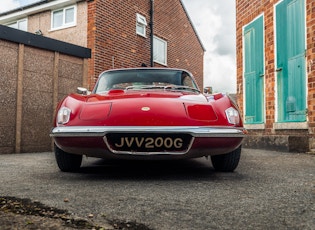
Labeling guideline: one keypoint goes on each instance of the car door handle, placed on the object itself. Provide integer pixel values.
(279, 69)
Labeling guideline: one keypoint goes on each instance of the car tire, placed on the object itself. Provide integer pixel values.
(67, 162)
(227, 162)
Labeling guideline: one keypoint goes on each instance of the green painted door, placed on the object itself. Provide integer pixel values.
(290, 64)
(254, 72)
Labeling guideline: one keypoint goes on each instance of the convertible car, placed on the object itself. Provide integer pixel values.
(147, 114)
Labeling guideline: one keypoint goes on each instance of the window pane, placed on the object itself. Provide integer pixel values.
(22, 25)
(69, 15)
(159, 51)
(141, 19)
(57, 18)
(13, 25)
(140, 29)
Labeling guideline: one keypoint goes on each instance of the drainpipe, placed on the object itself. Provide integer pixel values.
(152, 34)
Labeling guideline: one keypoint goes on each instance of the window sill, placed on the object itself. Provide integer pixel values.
(290, 125)
(142, 35)
(62, 27)
(254, 126)
(161, 63)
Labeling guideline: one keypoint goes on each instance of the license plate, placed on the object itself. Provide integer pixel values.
(149, 142)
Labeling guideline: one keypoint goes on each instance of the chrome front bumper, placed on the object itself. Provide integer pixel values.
(100, 131)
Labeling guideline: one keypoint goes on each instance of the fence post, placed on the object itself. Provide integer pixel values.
(19, 99)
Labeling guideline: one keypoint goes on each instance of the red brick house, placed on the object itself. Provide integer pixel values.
(119, 33)
(276, 72)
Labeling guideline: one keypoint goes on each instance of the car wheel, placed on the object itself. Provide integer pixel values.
(227, 162)
(67, 162)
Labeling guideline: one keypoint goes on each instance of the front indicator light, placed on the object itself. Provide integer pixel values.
(63, 116)
(232, 116)
(201, 112)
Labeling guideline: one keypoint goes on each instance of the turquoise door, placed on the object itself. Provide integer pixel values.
(290, 64)
(254, 72)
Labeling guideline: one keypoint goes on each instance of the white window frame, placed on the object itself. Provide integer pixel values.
(141, 23)
(10, 24)
(157, 55)
(64, 24)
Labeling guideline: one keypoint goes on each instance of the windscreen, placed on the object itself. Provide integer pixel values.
(143, 79)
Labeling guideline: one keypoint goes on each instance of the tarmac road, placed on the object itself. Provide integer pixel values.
(269, 190)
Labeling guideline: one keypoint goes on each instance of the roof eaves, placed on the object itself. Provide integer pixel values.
(34, 8)
(40, 2)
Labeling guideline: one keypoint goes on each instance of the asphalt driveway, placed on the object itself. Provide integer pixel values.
(269, 190)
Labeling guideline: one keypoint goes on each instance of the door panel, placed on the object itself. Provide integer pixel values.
(295, 106)
(254, 72)
(291, 75)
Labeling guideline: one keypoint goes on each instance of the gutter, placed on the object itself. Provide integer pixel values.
(39, 6)
(152, 31)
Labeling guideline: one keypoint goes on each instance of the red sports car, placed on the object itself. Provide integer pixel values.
(147, 113)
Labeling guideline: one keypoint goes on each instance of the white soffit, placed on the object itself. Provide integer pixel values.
(23, 13)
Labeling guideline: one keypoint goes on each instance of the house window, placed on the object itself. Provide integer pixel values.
(141, 25)
(63, 18)
(160, 51)
(20, 24)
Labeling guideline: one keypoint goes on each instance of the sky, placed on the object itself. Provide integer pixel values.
(214, 21)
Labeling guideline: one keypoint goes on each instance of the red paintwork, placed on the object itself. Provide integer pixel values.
(130, 108)
(166, 109)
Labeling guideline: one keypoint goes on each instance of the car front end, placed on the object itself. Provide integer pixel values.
(150, 121)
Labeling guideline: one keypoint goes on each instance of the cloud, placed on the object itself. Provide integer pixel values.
(220, 73)
(9, 5)
(215, 23)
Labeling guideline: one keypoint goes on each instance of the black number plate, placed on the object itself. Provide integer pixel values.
(148, 142)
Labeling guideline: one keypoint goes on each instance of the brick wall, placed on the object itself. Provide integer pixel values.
(246, 11)
(310, 55)
(184, 50)
(115, 44)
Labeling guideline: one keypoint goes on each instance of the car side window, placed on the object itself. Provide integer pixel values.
(187, 81)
